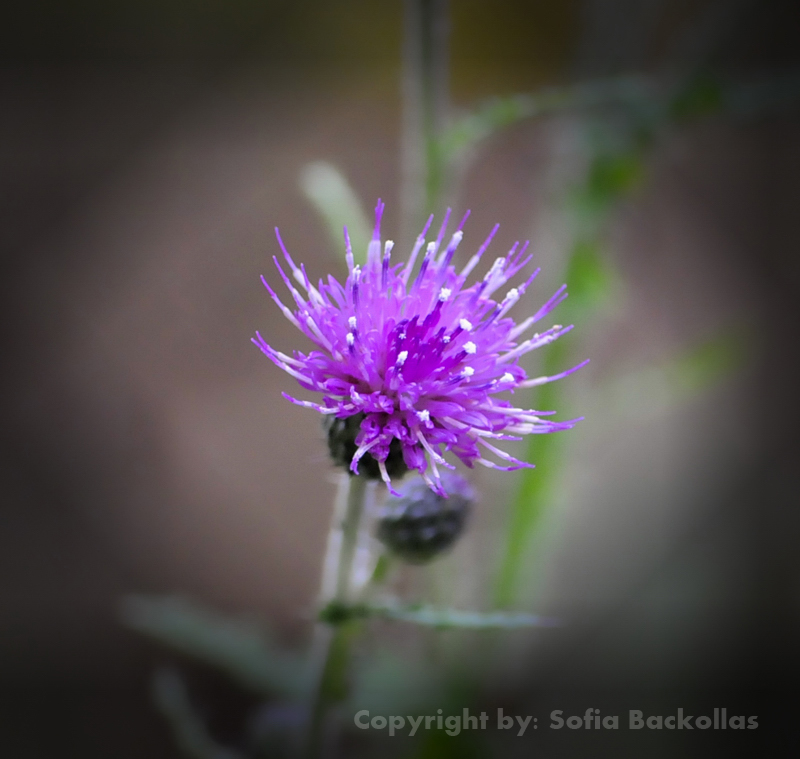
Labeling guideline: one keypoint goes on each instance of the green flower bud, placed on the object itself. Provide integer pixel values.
(341, 434)
(420, 525)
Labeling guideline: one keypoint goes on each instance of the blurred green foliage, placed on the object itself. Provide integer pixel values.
(616, 168)
(240, 648)
(621, 120)
(495, 114)
(702, 97)
(189, 730)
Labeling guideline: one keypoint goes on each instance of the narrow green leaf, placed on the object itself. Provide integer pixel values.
(612, 175)
(701, 97)
(237, 647)
(498, 113)
(661, 386)
(429, 616)
(341, 615)
(191, 734)
(330, 193)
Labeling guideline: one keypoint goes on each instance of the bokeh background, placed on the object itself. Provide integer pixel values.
(147, 151)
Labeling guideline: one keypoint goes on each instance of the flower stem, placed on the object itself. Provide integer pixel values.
(425, 111)
(331, 647)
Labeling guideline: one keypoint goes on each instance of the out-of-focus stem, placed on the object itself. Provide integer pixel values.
(426, 108)
(535, 490)
(331, 647)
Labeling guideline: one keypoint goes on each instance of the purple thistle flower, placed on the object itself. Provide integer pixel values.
(423, 359)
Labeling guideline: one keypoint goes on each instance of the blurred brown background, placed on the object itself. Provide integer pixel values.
(148, 149)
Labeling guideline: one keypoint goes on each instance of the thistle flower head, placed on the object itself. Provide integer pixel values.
(426, 359)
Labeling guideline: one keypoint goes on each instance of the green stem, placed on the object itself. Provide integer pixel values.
(425, 111)
(331, 650)
(349, 532)
(535, 488)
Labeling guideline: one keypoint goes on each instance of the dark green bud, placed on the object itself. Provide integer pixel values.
(341, 434)
(420, 525)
